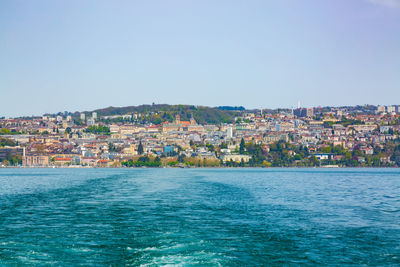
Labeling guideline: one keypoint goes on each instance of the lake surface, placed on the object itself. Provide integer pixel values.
(209, 217)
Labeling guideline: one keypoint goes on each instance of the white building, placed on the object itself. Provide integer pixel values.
(381, 109)
(94, 115)
(83, 117)
(236, 158)
(229, 133)
(391, 109)
(90, 122)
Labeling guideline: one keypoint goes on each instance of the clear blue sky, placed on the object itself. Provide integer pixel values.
(80, 55)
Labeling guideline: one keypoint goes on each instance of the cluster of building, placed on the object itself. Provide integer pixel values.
(61, 141)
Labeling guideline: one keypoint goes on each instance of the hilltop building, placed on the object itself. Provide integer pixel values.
(304, 112)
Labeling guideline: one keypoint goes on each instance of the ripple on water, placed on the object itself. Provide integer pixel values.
(206, 217)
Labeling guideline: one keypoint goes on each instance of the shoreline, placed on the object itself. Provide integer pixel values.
(194, 167)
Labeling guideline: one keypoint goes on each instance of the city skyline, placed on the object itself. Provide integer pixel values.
(185, 136)
(80, 56)
(241, 108)
(215, 133)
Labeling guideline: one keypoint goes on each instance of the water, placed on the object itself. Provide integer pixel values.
(209, 217)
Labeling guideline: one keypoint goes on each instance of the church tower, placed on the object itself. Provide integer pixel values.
(192, 121)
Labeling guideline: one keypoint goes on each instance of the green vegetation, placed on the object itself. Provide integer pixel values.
(6, 131)
(7, 142)
(9, 158)
(98, 130)
(284, 154)
(242, 146)
(172, 163)
(142, 162)
(140, 148)
(157, 114)
(345, 122)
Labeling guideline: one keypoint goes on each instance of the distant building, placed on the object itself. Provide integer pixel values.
(62, 161)
(304, 112)
(381, 109)
(83, 117)
(229, 133)
(322, 156)
(90, 122)
(94, 115)
(368, 151)
(272, 138)
(385, 128)
(129, 151)
(179, 125)
(168, 150)
(391, 109)
(35, 161)
(236, 158)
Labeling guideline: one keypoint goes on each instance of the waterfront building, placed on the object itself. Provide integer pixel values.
(35, 161)
(236, 158)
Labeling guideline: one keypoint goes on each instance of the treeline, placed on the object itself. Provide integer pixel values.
(231, 108)
(142, 162)
(182, 161)
(6, 131)
(7, 142)
(283, 154)
(344, 121)
(158, 113)
(98, 129)
(9, 158)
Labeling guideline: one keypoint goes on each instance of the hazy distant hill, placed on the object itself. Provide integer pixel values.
(162, 112)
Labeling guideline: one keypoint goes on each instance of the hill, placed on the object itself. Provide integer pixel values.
(158, 113)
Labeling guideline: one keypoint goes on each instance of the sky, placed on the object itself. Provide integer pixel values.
(80, 55)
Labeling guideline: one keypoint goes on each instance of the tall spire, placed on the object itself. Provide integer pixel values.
(192, 120)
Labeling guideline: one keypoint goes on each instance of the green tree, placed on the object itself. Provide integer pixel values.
(140, 148)
(98, 129)
(210, 147)
(242, 145)
(181, 158)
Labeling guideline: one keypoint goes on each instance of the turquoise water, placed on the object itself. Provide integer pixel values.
(209, 217)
